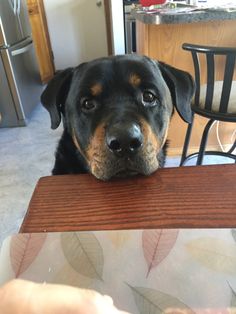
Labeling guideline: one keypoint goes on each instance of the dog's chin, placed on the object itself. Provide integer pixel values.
(123, 168)
(122, 173)
(125, 173)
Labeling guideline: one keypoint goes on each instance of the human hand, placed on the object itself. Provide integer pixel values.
(25, 297)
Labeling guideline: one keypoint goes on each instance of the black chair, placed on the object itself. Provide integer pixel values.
(215, 100)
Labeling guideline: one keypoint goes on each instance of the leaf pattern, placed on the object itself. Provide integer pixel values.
(77, 259)
(84, 253)
(150, 301)
(68, 276)
(233, 300)
(157, 244)
(24, 248)
(215, 254)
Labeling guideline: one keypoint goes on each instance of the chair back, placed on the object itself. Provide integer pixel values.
(217, 98)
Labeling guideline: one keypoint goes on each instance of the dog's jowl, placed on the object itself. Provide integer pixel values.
(116, 113)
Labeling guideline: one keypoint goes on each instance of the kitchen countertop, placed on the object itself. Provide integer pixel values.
(183, 15)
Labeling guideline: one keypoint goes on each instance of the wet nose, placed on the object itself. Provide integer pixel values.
(124, 139)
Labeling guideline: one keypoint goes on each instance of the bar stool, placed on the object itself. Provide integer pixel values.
(215, 100)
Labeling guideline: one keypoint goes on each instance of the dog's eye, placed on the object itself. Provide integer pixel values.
(148, 98)
(88, 104)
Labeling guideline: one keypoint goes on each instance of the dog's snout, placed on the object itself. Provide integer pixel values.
(124, 138)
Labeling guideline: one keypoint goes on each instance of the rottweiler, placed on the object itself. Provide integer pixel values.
(116, 113)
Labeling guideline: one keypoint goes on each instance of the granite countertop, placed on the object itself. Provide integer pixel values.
(183, 15)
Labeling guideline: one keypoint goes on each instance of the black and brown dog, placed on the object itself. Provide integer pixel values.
(116, 113)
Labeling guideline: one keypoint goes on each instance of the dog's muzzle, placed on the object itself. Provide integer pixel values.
(124, 139)
(122, 148)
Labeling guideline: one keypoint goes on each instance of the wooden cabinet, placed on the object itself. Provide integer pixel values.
(164, 42)
(41, 39)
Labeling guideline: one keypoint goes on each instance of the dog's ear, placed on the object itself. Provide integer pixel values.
(182, 88)
(54, 96)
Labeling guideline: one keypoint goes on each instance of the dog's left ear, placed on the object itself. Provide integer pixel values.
(182, 88)
(54, 96)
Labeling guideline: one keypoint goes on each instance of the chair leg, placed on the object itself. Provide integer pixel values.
(230, 151)
(233, 147)
(204, 141)
(186, 143)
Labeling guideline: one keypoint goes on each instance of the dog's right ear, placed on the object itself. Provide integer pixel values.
(54, 96)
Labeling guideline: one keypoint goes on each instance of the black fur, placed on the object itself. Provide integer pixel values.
(112, 125)
(68, 159)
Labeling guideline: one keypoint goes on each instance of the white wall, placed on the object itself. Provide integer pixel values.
(77, 31)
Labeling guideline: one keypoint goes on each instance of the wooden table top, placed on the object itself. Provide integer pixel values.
(185, 197)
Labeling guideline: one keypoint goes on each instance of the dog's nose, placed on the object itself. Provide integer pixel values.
(124, 138)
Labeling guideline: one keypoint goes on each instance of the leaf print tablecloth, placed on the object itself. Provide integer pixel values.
(145, 271)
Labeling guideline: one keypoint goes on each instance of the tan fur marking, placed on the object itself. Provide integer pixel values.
(149, 136)
(77, 143)
(134, 80)
(151, 146)
(96, 89)
(96, 151)
(96, 147)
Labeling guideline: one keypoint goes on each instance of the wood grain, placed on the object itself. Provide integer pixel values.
(107, 9)
(41, 39)
(186, 197)
(164, 43)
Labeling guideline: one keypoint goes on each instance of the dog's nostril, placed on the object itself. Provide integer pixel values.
(115, 145)
(135, 144)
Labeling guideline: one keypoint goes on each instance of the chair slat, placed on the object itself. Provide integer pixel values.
(197, 77)
(227, 83)
(210, 81)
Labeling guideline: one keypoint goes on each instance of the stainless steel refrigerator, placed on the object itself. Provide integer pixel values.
(20, 85)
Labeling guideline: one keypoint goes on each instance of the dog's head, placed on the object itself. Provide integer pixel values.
(117, 111)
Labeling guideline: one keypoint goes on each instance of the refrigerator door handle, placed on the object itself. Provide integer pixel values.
(21, 49)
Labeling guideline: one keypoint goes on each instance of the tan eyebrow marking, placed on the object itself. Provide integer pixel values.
(96, 89)
(134, 80)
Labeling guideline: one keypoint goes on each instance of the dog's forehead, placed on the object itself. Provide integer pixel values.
(134, 70)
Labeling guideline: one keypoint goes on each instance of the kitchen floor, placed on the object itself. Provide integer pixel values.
(27, 153)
